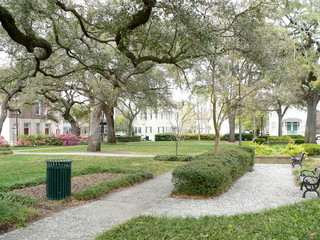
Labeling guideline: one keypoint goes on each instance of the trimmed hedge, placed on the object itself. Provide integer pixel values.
(5, 151)
(175, 158)
(194, 136)
(210, 176)
(244, 137)
(260, 140)
(311, 149)
(165, 137)
(295, 136)
(128, 138)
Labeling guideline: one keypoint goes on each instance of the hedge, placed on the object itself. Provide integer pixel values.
(260, 140)
(128, 138)
(5, 151)
(195, 136)
(311, 149)
(175, 158)
(244, 137)
(165, 137)
(207, 175)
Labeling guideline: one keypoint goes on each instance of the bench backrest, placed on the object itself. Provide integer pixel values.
(317, 172)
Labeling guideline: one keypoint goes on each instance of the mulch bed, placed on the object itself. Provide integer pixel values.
(47, 207)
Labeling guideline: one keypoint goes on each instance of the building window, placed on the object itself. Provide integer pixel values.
(148, 129)
(150, 116)
(37, 128)
(292, 127)
(137, 130)
(37, 108)
(161, 129)
(47, 128)
(26, 128)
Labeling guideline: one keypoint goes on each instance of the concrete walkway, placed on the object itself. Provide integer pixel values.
(268, 186)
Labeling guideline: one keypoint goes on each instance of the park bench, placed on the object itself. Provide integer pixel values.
(297, 159)
(310, 180)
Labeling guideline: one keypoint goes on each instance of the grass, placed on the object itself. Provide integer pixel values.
(158, 148)
(21, 168)
(298, 221)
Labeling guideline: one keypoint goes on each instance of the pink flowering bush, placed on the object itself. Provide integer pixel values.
(68, 139)
(84, 140)
(23, 143)
(3, 143)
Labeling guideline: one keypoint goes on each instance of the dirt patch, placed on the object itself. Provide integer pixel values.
(47, 207)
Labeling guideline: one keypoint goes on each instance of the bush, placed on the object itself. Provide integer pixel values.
(176, 158)
(3, 143)
(208, 175)
(263, 149)
(165, 137)
(194, 136)
(295, 136)
(244, 137)
(84, 140)
(311, 149)
(128, 138)
(298, 141)
(279, 140)
(292, 149)
(5, 151)
(68, 139)
(260, 140)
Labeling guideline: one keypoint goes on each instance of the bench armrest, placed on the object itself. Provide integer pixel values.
(307, 171)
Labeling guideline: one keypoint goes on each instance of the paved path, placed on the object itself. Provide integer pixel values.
(268, 186)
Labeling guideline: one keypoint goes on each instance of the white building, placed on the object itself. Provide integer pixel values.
(147, 125)
(293, 122)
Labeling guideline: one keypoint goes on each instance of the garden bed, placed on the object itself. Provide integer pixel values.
(272, 159)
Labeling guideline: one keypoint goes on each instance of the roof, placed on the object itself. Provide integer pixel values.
(292, 120)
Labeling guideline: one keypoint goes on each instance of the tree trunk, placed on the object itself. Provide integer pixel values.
(311, 124)
(130, 127)
(4, 112)
(75, 129)
(280, 117)
(232, 124)
(216, 143)
(94, 144)
(109, 112)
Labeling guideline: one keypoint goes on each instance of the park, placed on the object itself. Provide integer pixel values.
(160, 119)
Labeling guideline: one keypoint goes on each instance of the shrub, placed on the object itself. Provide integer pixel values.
(128, 138)
(3, 143)
(5, 151)
(298, 141)
(165, 137)
(292, 149)
(261, 149)
(260, 140)
(195, 136)
(244, 137)
(208, 175)
(278, 140)
(295, 136)
(84, 140)
(176, 158)
(68, 139)
(311, 149)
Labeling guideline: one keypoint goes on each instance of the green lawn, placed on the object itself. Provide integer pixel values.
(295, 222)
(20, 168)
(187, 147)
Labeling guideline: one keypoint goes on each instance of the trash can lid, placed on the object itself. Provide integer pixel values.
(51, 162)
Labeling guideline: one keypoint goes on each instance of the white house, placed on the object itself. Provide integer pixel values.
(293, 122)
(148, 124)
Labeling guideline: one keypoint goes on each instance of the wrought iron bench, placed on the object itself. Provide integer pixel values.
(297, 159)
(310, 180)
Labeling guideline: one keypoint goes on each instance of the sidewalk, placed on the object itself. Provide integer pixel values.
(268, 186)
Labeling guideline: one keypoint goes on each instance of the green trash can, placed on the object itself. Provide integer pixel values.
(58, 179)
